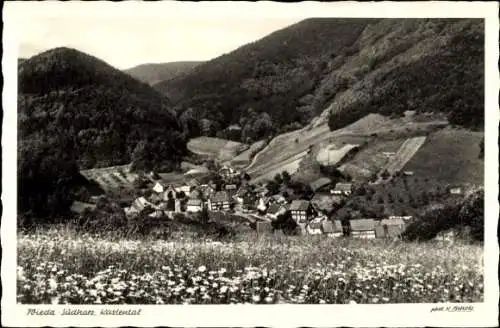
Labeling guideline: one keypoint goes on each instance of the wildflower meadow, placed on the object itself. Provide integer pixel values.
(67, 267)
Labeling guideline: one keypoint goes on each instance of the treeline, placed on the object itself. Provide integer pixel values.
(450, 82)
(465, 218)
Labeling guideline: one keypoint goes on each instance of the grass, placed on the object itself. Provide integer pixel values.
(215, 147)
(63, 266)
(450, 156)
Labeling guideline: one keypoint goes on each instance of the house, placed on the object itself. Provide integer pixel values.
(321, 184)
(195, 194)
(332, 229)
(362, 228)
(177, 205)
(194, 205)
(275, 210)
(231, 188)
(389, 228)
(278, 199)
(301, 210)
(262, 204)
(408, 173)
(220, 201)
(249, 202)
(314, 228)
(455, 190)
(80, 207)
(160, 187)
(342, 189)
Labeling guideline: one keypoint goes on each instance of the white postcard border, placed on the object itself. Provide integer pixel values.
(484, 314)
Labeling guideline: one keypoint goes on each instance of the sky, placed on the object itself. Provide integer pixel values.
(124, 42)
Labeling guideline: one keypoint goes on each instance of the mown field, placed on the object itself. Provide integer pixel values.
(62, 266)
(451, 156)
(215, 147)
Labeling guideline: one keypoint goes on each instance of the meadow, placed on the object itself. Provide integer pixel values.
(62, 266)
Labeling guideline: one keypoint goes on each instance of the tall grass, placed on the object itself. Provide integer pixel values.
(68, 267)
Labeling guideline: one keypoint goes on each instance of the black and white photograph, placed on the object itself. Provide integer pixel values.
(249, 160)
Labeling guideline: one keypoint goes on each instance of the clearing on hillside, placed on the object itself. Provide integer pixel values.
(112, 177)
(451, 156)
(371, 127)
(407, 150)
(216, 148)
(371, 159)
(246, 156)
(331, 154)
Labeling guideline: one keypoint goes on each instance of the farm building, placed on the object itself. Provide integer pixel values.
(362, 228)
(194, 205)
(389, 228)
(301, 211)
(275, 210)
(314, 228)
(322, 184)
(80, 207)
(342, 189)
(220, 201)
(332, 229)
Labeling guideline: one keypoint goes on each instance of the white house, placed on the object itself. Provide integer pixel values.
(342, 189)
(159, 187)
(314, 228)
(194, 205)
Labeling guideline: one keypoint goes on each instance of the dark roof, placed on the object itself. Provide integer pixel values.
(362, 225)
(220, 196)
(321, 182)
(299, 205)
(343, 186)
(274, 208)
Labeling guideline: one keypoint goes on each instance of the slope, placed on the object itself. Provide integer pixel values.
(75, 111)
(270, 75)
(156, 73)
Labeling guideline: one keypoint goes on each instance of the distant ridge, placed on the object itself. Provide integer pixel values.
(158, 72)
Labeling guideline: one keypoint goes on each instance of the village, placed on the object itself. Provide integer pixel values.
(229, 190)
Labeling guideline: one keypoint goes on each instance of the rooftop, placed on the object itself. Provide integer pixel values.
(343, 186)
(362, 225)
(299, 205)
(321, 182)
(220, 196)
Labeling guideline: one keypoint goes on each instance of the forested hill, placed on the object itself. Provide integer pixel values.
(103, 112)
(155, 73)
(74, 112)
(348, 67)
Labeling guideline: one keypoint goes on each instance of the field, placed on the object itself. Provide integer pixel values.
(246, 156)
(216, 148)
(330, 155)
(450, 156)
(407, 150)
(64, 267)
(111, 178)
(371, 159)
(373, 127)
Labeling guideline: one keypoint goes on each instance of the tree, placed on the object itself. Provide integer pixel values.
(286, 177)
(278, 179)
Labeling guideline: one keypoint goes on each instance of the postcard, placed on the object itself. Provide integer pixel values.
(250, 164)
